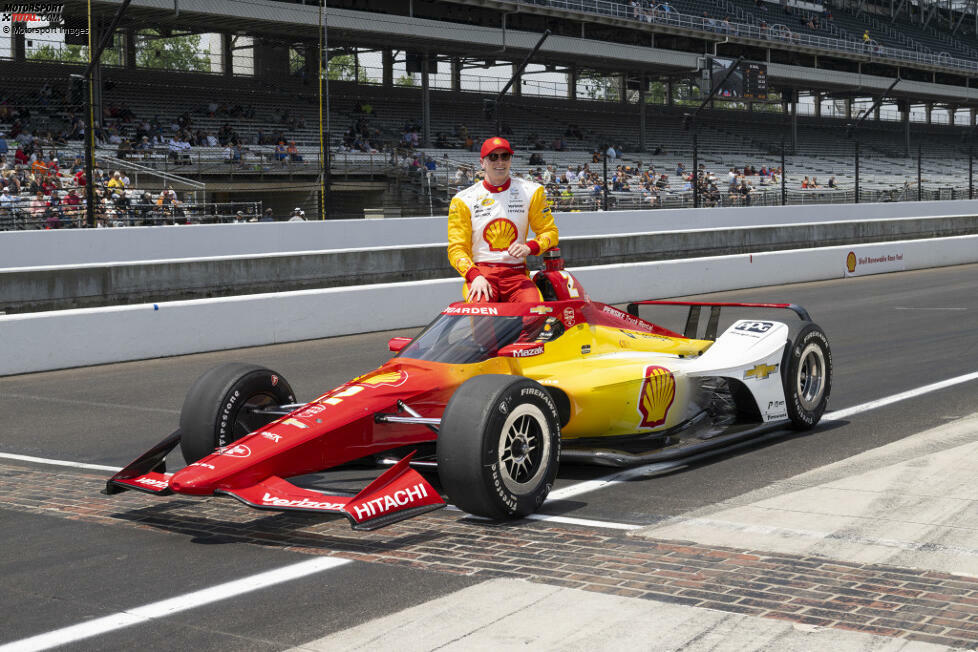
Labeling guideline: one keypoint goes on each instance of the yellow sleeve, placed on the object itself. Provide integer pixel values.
(460, 236)
(542, 221)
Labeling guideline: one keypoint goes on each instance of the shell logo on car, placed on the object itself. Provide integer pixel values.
(499, 234)
(657, 394)
(392, 378)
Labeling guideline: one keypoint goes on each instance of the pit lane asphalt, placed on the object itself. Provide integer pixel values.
(889, 333)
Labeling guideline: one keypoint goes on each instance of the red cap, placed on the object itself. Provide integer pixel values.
(492, 144)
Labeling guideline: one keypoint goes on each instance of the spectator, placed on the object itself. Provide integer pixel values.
(298, 215)
(293, 152)
(280, 153)
(73, 209)
(38, 207)
(832, 183)
(745, 191)
(4, 148)
(268, 216)
(7, 203)
(611, 153)
(116, 185)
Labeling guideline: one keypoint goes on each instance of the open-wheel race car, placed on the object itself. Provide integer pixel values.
(495, 395)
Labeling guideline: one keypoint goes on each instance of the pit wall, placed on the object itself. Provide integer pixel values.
(72, 338)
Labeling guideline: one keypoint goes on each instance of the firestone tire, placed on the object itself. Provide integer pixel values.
(216, 411)
(807, 376)
(499, 446)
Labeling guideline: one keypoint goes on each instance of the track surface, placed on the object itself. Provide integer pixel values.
(889, 333)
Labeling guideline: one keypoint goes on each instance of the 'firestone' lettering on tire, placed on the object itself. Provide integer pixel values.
(222, 435)
(497, 484)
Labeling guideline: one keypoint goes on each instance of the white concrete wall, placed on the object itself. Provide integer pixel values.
(88, 246)
(70, 338)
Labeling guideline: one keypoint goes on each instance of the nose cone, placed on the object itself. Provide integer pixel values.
(193, 480)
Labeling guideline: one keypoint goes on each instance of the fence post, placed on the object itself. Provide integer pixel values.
(919, 189)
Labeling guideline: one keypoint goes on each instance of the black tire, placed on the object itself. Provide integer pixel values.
(499, 446)
(215, 412)
(807, 376)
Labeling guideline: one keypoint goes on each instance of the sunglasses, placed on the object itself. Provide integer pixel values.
(495, 157)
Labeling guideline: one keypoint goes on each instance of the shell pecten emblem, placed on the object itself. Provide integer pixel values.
(499, 234)
(391, 378)
(658, 393)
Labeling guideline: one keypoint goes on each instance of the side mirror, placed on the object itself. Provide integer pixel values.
(521, 350)
(395, 344)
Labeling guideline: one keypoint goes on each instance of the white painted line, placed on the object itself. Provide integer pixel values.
(587, 522)
(42, 460)
(638, 471)
(913, 393)
(88, 403)
(930, 309)
(171, 606)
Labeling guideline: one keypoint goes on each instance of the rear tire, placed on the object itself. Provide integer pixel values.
(217, 409)
(499, 446)
(807, 376)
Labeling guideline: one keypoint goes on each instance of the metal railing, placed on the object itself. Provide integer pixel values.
(26, 213)
(673, 18)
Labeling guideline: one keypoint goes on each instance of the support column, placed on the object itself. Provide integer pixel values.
(425, 103)
(848, 108)
(929, 108)
(904, 106)
(517, 88)
(642, 82)
(456, 74)
(572, 82)
(876, 112)
(19, 47)
(669, 101)
(952, 111)
(818, 105)
(794, 123)
(623, 88)
(130, 50)
(971, 116)
(387, 63)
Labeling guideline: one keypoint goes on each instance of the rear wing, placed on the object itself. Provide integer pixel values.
(695, 307)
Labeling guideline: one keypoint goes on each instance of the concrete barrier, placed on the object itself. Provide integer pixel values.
(80, 286)
(91, 246)
(71, 338)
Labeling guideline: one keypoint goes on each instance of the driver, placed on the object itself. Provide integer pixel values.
(487, 228)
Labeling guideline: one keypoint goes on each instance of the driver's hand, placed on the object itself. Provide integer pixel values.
(517, 250)
(479, 289)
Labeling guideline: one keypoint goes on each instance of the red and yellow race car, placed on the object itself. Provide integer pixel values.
(495, 396)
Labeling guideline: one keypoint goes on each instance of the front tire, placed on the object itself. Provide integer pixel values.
(807, 376)
(218, 408)
(499, 446)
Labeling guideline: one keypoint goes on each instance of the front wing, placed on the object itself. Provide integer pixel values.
(397, 494)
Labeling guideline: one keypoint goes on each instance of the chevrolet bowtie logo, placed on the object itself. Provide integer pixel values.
(541, 310)
(761, 371)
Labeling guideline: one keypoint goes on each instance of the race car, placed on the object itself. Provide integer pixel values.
(494, 396)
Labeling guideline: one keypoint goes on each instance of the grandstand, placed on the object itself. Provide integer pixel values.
(241, 132)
